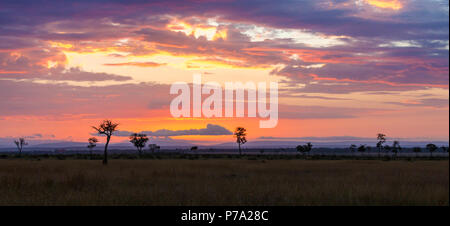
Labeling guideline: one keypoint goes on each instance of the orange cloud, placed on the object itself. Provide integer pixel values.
(12, 72)
(137, 64)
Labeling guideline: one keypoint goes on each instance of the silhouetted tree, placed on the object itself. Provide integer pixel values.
(240, 133)
(396, 148)
(92, 144)
(381, 138)
(153, 147)
(194, 148)
(139, 141)
(362, 148)
(431, 148)
(20, 143)
(444, 149)
(304, 148)
(107, 127)
(417, 150)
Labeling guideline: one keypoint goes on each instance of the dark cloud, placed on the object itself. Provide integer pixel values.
(210, 130)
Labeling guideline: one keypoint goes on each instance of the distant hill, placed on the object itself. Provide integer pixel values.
(331, 144)
(168, 143)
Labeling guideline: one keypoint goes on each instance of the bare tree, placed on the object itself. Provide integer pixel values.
(139, 141)
(20, 143)
(381, 138)
(107, 127)
(92, 144)
(431, 148)
(240, 133)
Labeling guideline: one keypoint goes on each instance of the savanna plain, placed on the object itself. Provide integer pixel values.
(242, 181)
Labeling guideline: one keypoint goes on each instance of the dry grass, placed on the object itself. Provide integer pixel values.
(224, 182)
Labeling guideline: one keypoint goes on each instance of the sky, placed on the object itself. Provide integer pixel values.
(343, 67)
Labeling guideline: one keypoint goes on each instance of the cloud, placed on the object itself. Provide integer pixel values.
(321, 112)
(210, 130)
(428, 102)
(60, 100)
(318, 97)
(76, 74)
(319, 139)
(366, 34)
(137, 64)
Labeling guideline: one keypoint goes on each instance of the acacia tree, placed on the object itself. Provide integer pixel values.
(304, 148)
(107, 127)
(139, 141)
(381, 138)
(92, 144)
(431, 148)
(396, 148)
(240, 133)
(20, 143)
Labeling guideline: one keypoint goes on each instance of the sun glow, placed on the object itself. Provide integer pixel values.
(60, 45)
(211, 33)
(386, 4)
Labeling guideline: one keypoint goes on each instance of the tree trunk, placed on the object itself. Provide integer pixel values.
(240, 152)
(105, 154)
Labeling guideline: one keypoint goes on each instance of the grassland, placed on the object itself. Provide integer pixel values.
(223, 182)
